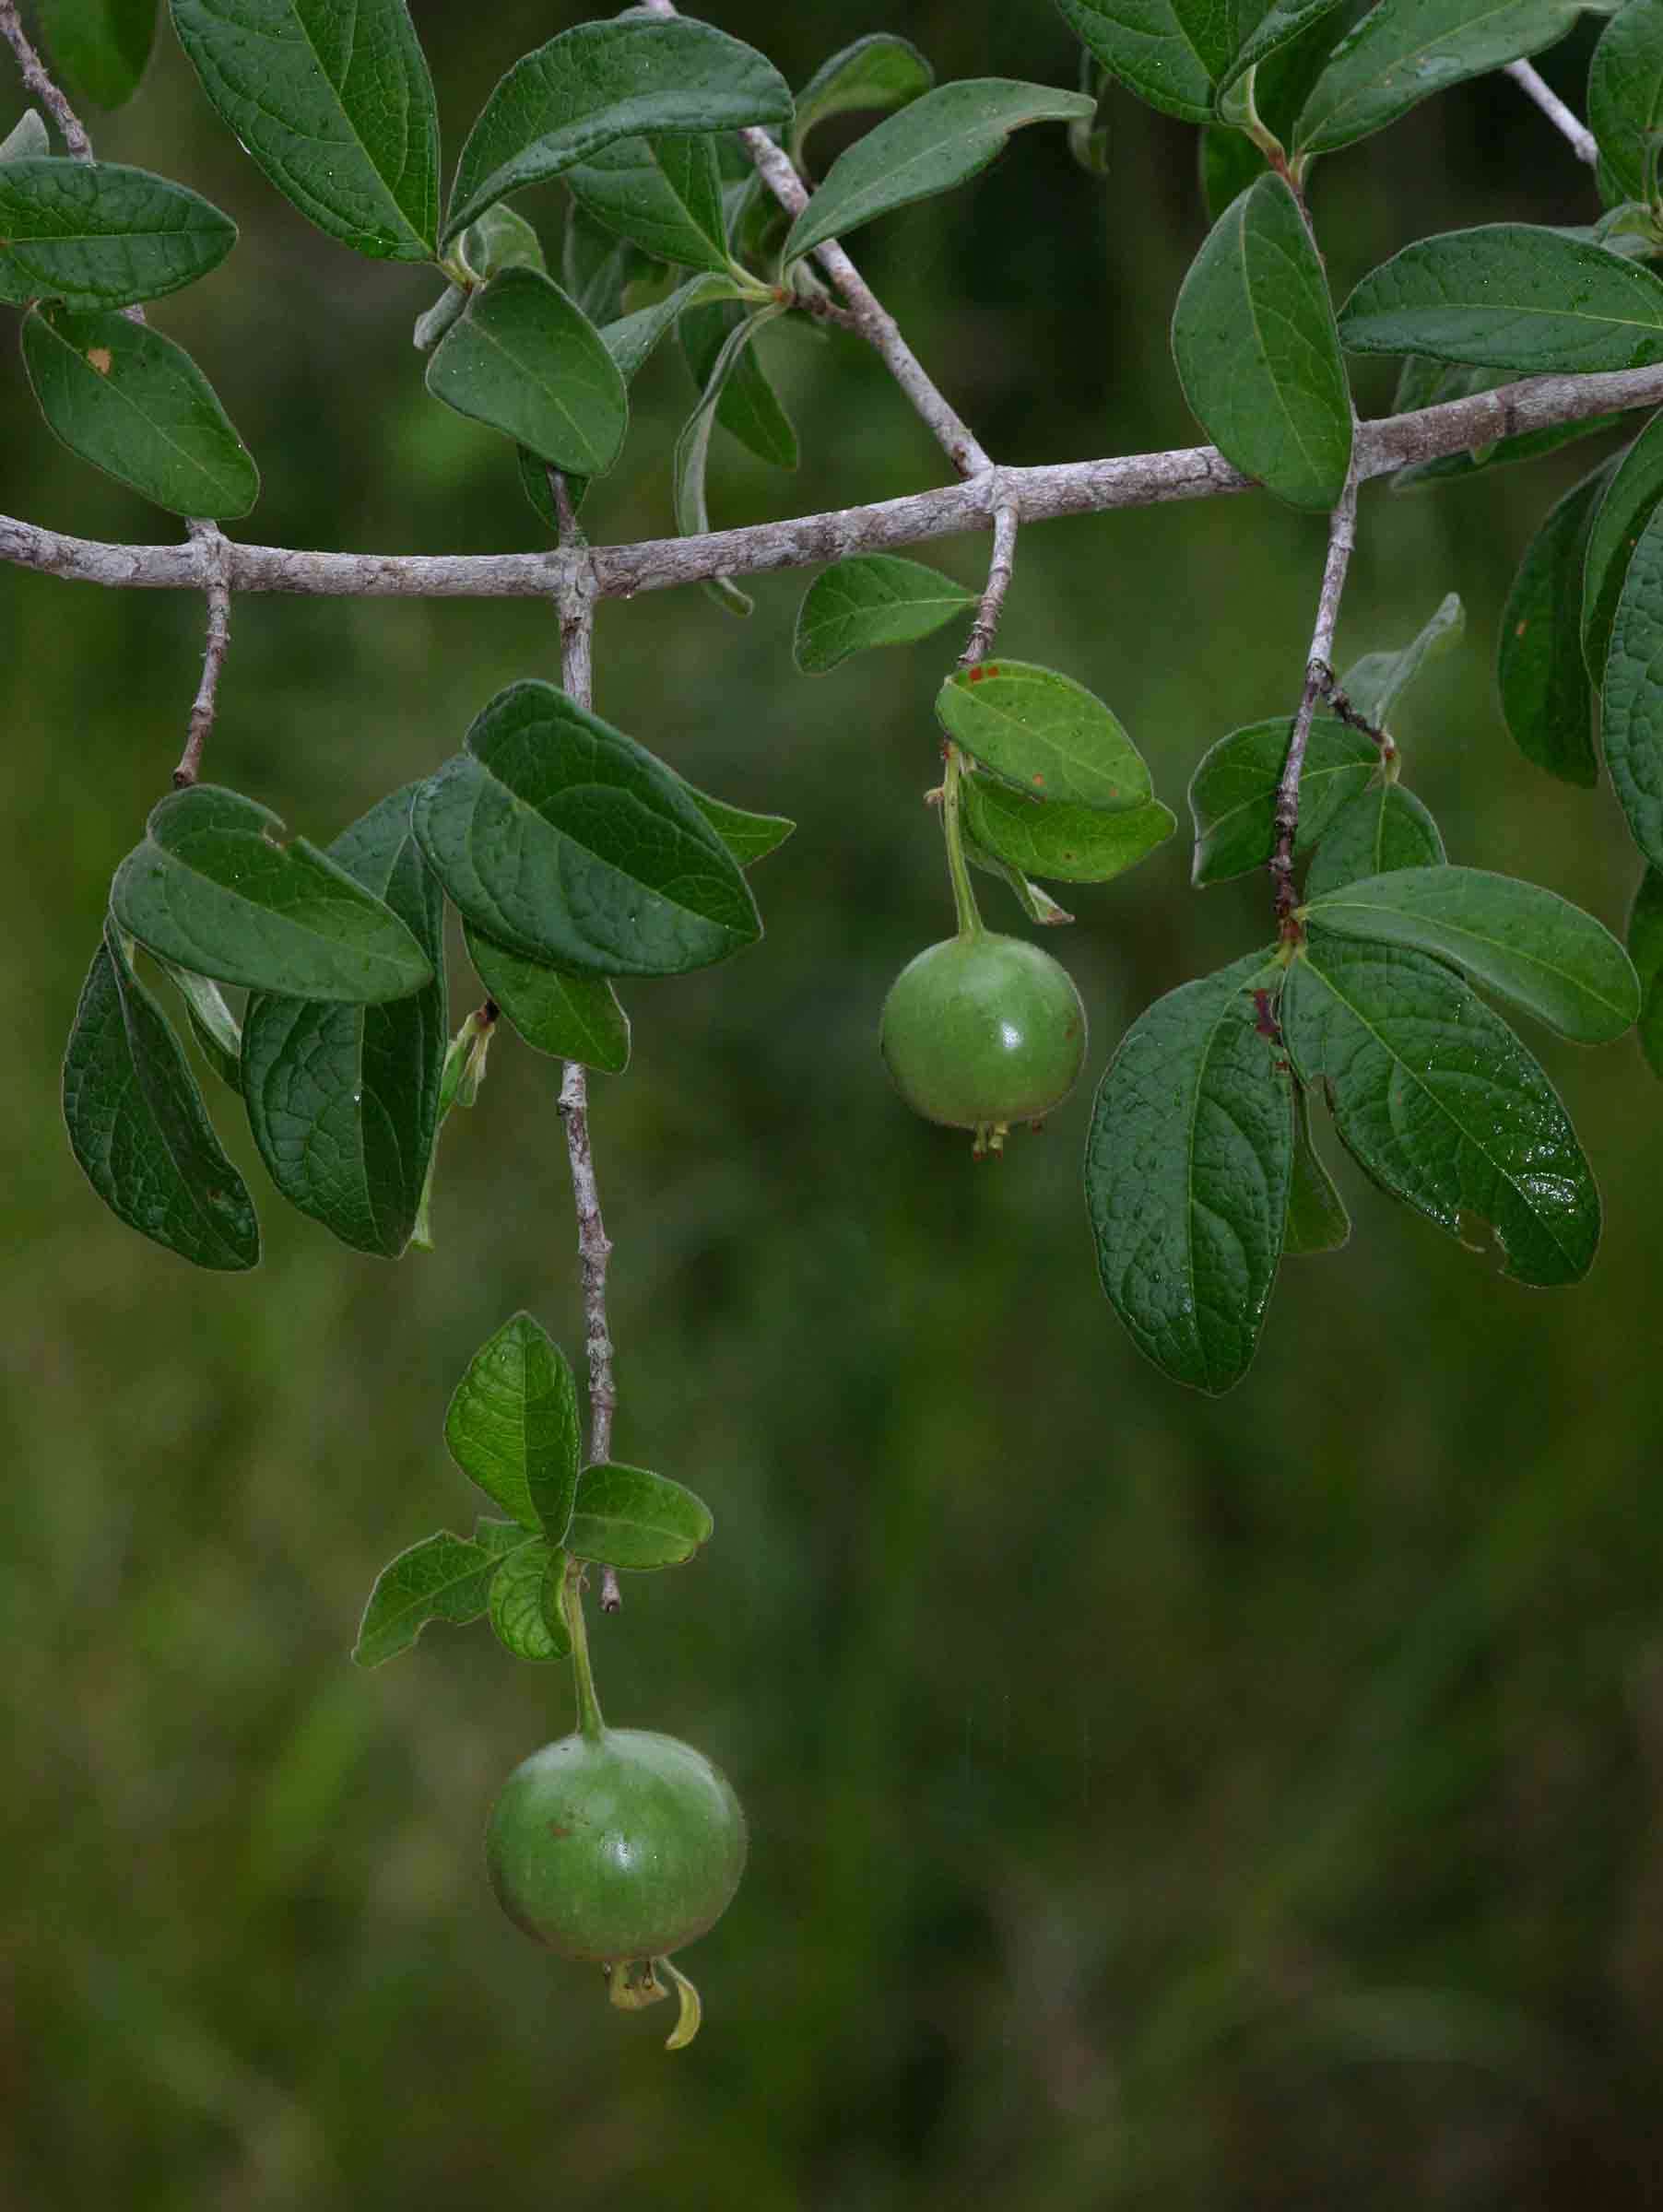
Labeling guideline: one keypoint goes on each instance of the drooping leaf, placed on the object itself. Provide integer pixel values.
(99, 234)
(1257, 352)
(1187, 1168)
(1437, 1099)
(1233, 793)
(632, 76)
(1089, 140)
(216, 1029)
(100, 46)
(1625, 92)
(1629, 502)
(138, 1127)
(568, 842)
(27, 138)
(1317, 1219)
(512, 1426)
(874, 599)
(526, 361)
(1043, 732)
(935, 143)
(749, 408)
(665, 194)
(876, 72)
(1427, 383)
(626, 1517)
(217, 888)
(1646, 950)
(693, 450)
(526, 1622)
(1064, 843)
(336, 104)
(1375, 683)
(1547, 699)
(1404, 50)
(443, 1578)
(1277, 27)
(500, 240)
(343, 1101)
(1386, 828)
(136, 406)
(569, 1017)
(1631, 721)
(1509, 296)
(748, 837)
(1034, 899)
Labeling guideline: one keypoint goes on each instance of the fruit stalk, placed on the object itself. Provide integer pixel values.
(590, 1723)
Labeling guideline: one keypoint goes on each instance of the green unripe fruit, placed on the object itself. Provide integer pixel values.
(980, 1031)
(618, 1848)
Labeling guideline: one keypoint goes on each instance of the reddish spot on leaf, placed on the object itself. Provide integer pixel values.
(977, 673)
(1264, 1019)
(1039, 779)
(98, 358)
(1520, 630)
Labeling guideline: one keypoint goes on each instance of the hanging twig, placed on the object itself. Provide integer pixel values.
(211, 544)
(38, 81)
(1579, 137)
(1319, 680)
(1001, 566)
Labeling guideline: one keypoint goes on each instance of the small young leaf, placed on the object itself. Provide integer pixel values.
(1646, 950)
(512, 1426)
(27, 138)
(433, 322)
(1257, 351)
(664, 194)
(1630, 500)
(100, 46)
(569, 1017)
(520, 1613)
(136, 406)
(500, 240)
(1035, 901)
(1406, 49)
(1043, 732)
(1631, 721)
(1232, 792)
(1317, 1219)
(138, 1127)
(1064, 843)
(1438, 1101)
(749, 408)
(216, 890)
(1373, 684)
(98, 234)
(526, 361)
(1089, 141)
(748, 837)
(876, 72)
(692, 450)
(336, 106)
(213, 1025)
(937, 142)
(1386, 828)
(1187, 1168)
(1625, 92)
(875, 599)
(443, 1578)
(625, 1517)
(1547, 699)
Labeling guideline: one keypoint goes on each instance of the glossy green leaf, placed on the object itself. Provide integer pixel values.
(525, 1602)
(626, 1517)
(1427, 383)
(1646, 950)
(1188, 1167)
(1527, 944)
(500, 240)
(1547, 698)
(1229, 164)
(692, 450)
(526, 361)
(1438, 1101)
(138, 1127)
(1405, 50)
(665, 194)
(512, 1426)
(1509, 296)
(1630, 500)
(333, 99)
(1064, 843)
(216, 1029)
(749, 408)
(568, 842)
(1625, 92)
(748, 837)
(1168, 52)
(443, 1578)
(1386, 827)
(1632, 723)
(343, 1101)
(99, 234)
(1043, 732)
(1317, 1219)
(1277, 27)
(217, 888)
(100, 47)
(1232, 792)
(1375, 683)
(1257, 351)
(876, 72)
(600, 82)
(136, 406)
(27, 138)
(569, 1017)
(875, 599)
(937, 142)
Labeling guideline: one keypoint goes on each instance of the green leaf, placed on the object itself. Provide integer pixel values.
(1631, 721)
(1527, 944)
(876, 72)
(665, 194)
(1089, 141)
(1229, 164)
(568, 842)
(1374, 683)
(749, 408)
(27, 138)
(874, 599)
(1630, 498)
(1547, 699)
(1257, 351)
(600, 82)
(1068, 844)
(1232, 792)
(526, 361)
(100, 46)
(136, 406)
(443, 1578)
(344, 1099)
(433, 322)
(1509, 296)
(336, 104)
(1187, 1168)
(501, 1537)
(748, 837)
(1386, 828)
(1043, 732)
(500, 240)
(1035, 901)
(99, 234)
(512, 1426)
(1625, 92)
(1404, 50)
(937, 142)
(1277, 27)
(1427, 383)
(1168, 52)
(1317, 1219)
(692, 450)
(216, 888)
(569, 1017)
(1438, 1101)
(216, 1029)
(526, 1622)
(138, 1127)
(625, 1517)
(597, 267)
(1646, 950)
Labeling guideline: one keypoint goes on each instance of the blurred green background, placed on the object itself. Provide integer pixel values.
(1154, 1802)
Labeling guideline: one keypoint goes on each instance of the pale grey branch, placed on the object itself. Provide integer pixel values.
(211, 544)
(38, 80)
(1319, 676)
(1534, 85)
